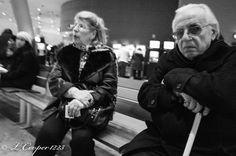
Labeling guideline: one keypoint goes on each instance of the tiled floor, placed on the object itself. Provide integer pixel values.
(9, 110)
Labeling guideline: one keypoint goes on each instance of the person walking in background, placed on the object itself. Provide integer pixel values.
(85, 76)
(123, 60)
(137, 64)
(199, 76)
(22, 64)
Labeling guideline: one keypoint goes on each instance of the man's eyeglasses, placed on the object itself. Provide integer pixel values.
(192, 30)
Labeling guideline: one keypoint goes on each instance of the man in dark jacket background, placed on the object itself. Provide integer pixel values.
(199, 75)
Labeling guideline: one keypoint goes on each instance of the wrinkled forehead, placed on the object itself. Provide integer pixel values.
(187, 17)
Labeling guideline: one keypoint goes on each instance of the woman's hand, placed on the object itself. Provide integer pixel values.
(83, 96)
(191, 104)
(74, 108)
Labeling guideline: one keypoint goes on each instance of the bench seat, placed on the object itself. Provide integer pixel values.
(120, 131)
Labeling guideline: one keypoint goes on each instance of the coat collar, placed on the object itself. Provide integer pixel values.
(209, 61)
(69, 57)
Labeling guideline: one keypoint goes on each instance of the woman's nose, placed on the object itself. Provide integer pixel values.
(76, 28)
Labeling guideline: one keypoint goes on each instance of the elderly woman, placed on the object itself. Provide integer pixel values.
(21, 63)
(85, 76)
(199, 75)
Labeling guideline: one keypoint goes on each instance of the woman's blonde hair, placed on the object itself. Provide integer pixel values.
(95, 23)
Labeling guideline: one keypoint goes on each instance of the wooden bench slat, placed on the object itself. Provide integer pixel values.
(131, 109)
(38, 100)
(130, 83)
(120, 131)
(127, 93)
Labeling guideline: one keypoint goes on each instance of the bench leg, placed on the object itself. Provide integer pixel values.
(29, 116)
(22, 111)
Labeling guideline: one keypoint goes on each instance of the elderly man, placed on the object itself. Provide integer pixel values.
(199, 75)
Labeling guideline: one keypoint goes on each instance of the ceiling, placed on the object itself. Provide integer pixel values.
(45, 15)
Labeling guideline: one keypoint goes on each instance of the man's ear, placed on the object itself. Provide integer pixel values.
(214, 32)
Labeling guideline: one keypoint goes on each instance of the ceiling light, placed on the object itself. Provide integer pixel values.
(234, 35)
(39, 9)
(37, 38)
(38, 17)
(4, 14)
(58, 29)
(10, 19)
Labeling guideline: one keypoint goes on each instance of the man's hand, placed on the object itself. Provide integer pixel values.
(191, 104)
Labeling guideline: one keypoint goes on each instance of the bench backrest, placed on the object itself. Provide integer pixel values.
(127, 103)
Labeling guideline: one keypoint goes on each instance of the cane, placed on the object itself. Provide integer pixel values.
(192, 134)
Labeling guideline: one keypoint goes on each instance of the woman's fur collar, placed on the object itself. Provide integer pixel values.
(98, 58)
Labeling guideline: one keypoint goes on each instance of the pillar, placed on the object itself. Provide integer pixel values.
(22, 15)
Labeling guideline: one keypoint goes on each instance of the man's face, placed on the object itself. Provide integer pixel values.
(193, 34)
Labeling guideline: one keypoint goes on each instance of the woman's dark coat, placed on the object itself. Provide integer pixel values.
(211, 80)
(99, 74)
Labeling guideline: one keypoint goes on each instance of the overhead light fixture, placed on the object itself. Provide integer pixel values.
(234, 35)
(39, 9)
(4, 14)
(10, 19)
(37, 38)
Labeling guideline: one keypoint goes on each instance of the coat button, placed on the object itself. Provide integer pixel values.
(152, 102)
(178, 86)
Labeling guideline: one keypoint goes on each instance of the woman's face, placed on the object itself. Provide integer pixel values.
(82, 32)
(20, 42)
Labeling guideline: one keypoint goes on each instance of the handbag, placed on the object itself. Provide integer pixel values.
(96, 117)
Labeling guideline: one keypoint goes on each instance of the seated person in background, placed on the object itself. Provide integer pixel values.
(199, 75)
(22, 66)
(5, 37)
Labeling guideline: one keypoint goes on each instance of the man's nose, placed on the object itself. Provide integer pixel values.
(186, 35)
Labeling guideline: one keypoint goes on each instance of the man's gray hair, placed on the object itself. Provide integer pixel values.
(208, 15)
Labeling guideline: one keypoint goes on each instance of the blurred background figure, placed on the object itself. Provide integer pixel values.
(123, 60)
(22, 63)
(137, 64)
(5, 38)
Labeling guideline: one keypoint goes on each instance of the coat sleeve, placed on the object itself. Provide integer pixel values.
(217, 90)
(108, 86)
(58, 85)
(154, 94)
